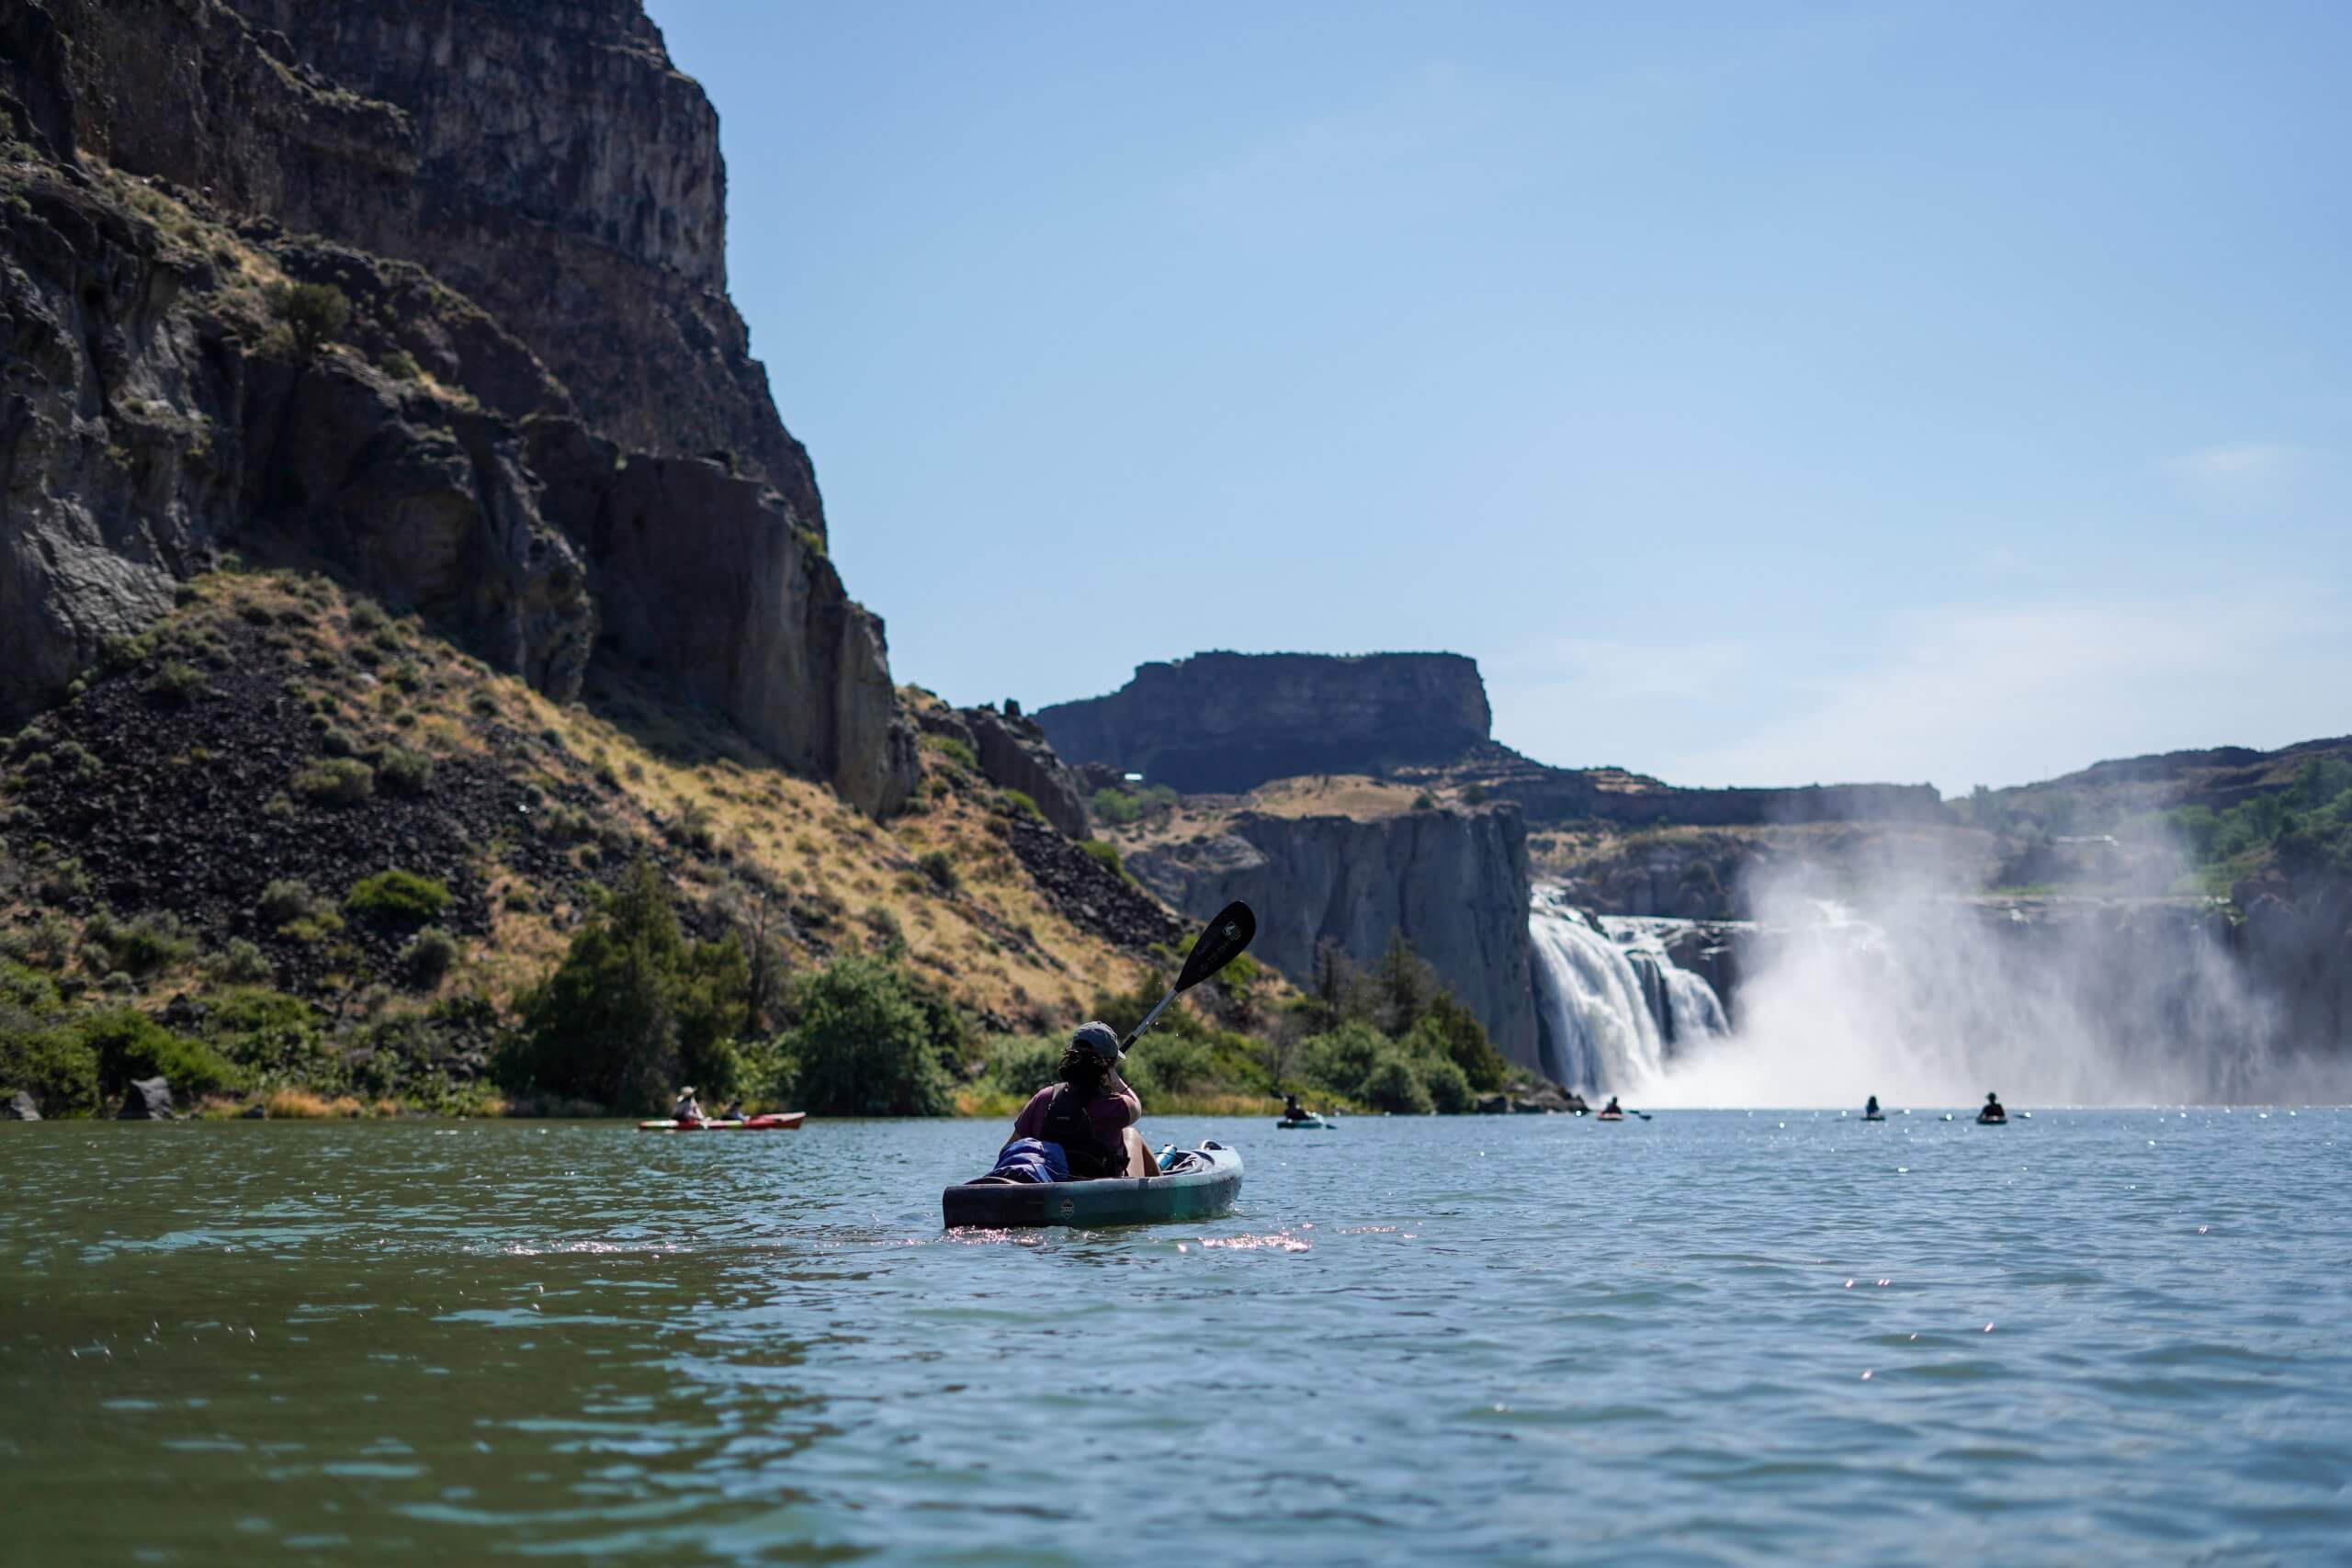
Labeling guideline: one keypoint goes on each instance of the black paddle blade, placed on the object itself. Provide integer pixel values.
(1219, 945)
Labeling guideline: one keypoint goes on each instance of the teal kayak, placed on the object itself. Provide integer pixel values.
(1309, 1124)
(1195, 1184)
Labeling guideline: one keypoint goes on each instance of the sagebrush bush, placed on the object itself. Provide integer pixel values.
(315, 313)
(939, 869)
(396, 897)
(176, 683)
(285, 900)
(405, 772)
(239, 963)
(427, 958)
(336, 781)
(137, 947)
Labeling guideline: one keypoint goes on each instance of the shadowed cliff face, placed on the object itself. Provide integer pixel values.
(157, 407)
(1454, 882)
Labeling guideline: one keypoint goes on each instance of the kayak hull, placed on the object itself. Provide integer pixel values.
(781, 1121)
(1307, 1124)
(1200, 1193)
(1873, 1118)
(1605, 1116)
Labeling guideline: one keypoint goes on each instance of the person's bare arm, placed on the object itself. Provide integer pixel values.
(1117, 1086)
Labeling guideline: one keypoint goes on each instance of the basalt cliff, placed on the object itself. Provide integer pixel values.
(431, 294)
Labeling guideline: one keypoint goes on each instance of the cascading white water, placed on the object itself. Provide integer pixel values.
(1613, 1003)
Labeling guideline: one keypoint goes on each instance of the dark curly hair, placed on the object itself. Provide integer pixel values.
(1083, 1068)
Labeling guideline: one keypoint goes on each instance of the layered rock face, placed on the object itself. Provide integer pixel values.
(1454, 882)
(1220, 723)
(507, 471)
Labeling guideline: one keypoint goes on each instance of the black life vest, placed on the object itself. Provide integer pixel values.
(1067, 1123)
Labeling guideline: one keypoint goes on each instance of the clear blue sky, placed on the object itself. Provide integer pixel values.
(1761, 394)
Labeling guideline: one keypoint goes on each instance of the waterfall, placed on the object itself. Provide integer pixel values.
(1615, 1006)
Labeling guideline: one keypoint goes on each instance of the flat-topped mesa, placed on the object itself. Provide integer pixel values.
(1222, 723)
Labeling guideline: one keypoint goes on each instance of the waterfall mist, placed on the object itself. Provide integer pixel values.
(1908, 988)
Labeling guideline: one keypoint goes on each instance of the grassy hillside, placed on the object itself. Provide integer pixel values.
(192, 835)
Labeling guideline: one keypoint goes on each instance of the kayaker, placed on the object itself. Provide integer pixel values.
(1994, 1111)
(1091, 1112)
(734, 1111)
(1292, 1110)
(1871, 1109)
(687, 1108)
(1612, 1109)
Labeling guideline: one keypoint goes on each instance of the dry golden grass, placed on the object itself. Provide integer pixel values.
(662, 768)
(302, 1105)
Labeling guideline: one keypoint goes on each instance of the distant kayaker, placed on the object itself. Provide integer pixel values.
(1292, 1110)
(1091, 1112)
(1871, 1109)
(734, 1111)
(687, 1108)
(1612, 1109)
(1994, 1111)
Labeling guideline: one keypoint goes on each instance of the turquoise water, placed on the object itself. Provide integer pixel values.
(1712, 1338)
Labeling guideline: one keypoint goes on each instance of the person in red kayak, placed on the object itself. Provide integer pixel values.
(1091, 1112)
(687, 1108)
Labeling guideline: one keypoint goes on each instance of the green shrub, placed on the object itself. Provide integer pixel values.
(633, 1010)
(693, 828)
(315, 313)
(955, 750)
(239, 963)
(138, 947)
(284, 900)
(1393, 1086)
(427, 958)
(865, 1044)
(366, 614)
(398, 365)
(1449, 1086)
(266, 1031)
(60, 880)
(1342, 1059)
(336, 781)
(1022, 805)
(405, 772)
(54, 1066)
(1169, 1064)
(129, 1045)
(46, 943)
(1023, 1064)
(176, 683)
(396, 897)
(935, 865)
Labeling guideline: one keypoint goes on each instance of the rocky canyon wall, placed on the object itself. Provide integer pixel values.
(1453, 881)
(541, 428)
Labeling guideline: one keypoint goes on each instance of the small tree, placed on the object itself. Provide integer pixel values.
(631, 1006)
(315, 313)
(864, 1045)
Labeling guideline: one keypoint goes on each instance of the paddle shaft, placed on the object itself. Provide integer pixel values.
(1149, 1019)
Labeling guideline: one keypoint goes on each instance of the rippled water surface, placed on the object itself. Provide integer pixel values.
(1711, 1337)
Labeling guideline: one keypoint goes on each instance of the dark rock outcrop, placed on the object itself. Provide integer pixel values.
(1228, 722)
(1015, 754)
(19, 1107)
(1088, 893)
(1454, 882)
(147, 1100)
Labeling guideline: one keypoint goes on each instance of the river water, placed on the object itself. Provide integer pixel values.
(1716, 1336)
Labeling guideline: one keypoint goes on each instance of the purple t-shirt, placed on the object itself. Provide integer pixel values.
(1112, 1112)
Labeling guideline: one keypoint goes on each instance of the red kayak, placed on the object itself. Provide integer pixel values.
(1609, 1116)
(775, 1122)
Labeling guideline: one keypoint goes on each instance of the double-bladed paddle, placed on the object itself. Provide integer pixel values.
(1215, 948)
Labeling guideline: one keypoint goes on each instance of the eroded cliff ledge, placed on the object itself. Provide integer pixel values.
(542, 429)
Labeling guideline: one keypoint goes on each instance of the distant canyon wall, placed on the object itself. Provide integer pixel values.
(1224, 723)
